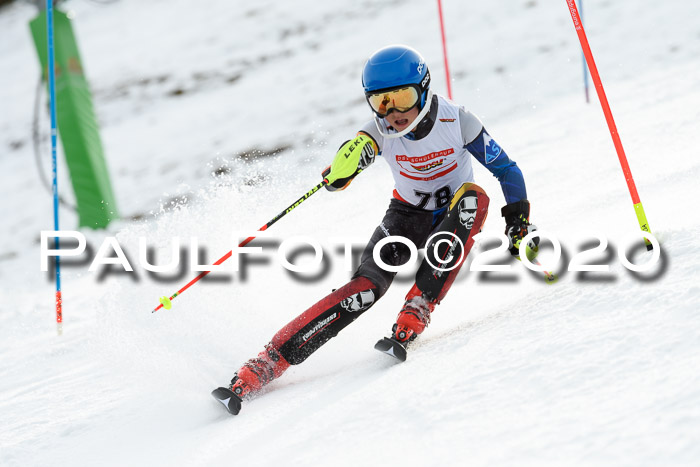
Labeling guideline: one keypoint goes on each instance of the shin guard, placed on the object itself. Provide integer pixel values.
(449, 247)
(317, 325)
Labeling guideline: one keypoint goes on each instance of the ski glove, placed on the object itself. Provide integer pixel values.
(518, 225)
(353, 157)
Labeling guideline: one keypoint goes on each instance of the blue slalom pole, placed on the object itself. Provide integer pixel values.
(583, 57)
(52, 101)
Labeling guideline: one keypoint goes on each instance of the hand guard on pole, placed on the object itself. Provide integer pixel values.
(518, 226)
(353, 157)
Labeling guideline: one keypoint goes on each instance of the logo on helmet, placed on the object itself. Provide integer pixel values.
(426, 80)
(420, 67)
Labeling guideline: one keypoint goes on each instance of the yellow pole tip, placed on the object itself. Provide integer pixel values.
(165, 301)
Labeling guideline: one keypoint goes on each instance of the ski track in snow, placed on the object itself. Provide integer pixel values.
(598, 369)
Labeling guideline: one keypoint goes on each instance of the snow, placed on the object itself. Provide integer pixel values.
(598, 369)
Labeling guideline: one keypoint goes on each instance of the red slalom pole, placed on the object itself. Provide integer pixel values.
(444, 50)
(638, 208)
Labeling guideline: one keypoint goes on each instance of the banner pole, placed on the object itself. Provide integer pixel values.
(583, 60)
(52, 100)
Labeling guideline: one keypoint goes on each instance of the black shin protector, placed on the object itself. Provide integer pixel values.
(454, 237)
(317, 325)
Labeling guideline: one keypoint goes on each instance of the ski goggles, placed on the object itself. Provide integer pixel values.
(401, 99)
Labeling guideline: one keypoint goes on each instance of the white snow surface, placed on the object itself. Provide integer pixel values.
(597, 369)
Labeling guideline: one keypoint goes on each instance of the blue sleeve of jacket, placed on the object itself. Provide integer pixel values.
(494, 158)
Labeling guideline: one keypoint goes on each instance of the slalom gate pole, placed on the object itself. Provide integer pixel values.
(638, 208)
(165, 302)
(52, 100)
(583, 59)
(444, 50)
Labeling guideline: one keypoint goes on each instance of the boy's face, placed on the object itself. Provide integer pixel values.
(400, 121)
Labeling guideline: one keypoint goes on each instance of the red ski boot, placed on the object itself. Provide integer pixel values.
(412, 320)
(253, 375)
(414, 317)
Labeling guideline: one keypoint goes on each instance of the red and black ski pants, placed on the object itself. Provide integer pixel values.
(462, 219)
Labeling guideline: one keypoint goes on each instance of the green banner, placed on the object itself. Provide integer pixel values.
(77, 125)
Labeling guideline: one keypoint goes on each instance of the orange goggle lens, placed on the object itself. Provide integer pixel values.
(403, 100)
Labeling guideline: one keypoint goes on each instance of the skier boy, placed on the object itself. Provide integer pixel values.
(427, 141)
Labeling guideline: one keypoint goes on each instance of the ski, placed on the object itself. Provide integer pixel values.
(229, 400)
(391, 347)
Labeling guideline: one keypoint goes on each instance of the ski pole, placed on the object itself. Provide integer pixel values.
(638, 208)
(165, 302)
(531, 254)
(549, 277)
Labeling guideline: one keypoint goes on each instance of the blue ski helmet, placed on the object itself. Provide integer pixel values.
(395, 66)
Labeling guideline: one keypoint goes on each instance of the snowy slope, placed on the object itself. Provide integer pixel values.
(599, 369)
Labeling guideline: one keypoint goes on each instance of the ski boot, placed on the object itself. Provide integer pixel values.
(230, 396)
(253, 375)
(412, 320)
